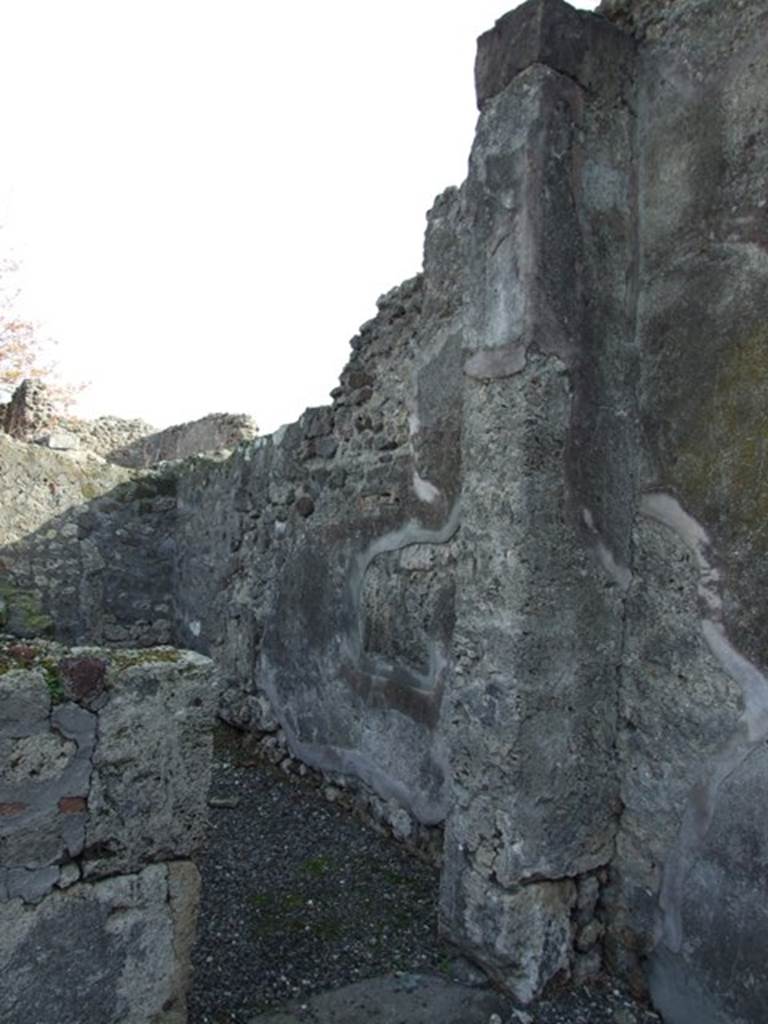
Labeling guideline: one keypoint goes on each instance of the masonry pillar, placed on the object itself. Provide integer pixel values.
(548, 495)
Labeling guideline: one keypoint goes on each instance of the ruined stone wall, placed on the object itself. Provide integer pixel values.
(510, 579)
(479, 617)
(32, 414)
(298, 556)
(690, 847)
(86, 548)
(104, 771)
(105, 435)
(539, 618)
(548, 490)
(212, 433)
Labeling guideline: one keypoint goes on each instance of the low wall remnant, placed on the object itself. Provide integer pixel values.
(105, 763)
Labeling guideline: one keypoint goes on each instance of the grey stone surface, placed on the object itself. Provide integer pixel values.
(105, 760)
(403, 999)
(151, 768)
(694, 690)
(46, 766)
(539, 676)
(87, 544)
(30, 410)
(552, 33)
(299, 603)
(110, 951)
(209, 434)
(111, 783)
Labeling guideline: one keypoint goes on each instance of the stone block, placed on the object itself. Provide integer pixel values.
(588, 50)
(109, 951)
(104, 770)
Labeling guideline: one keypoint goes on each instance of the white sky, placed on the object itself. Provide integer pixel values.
(207, 196)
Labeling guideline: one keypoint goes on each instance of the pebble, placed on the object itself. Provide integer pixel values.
(299, 897)
(228, 802)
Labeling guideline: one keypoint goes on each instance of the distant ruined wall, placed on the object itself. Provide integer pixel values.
(86, 548)
(32, 414)
(208, 434)
(511, 578)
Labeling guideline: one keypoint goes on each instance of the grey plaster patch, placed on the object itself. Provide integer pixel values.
(424, 490)
(497, 362)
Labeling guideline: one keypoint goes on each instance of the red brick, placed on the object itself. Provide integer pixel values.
(83, 678)
(12, 808)
(73, 804)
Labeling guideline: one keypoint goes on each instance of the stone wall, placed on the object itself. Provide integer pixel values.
(30, 410)
(294, 554)
(691, 850)
(86, 548)
(32, 414)
(106, 434)
(217, 432)
(104, 771)
(510, 579)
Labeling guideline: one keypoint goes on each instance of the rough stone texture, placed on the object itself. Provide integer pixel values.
(218, 431)
(548, 198)
(105, 763)
(31, 414)
(300, 601)
(105, 758)
(152, 765)
(85, 543)
(695, 693)
(30, 410)
(553, 34)
(107, 434)
(476, 612)
(109, 951)
(137, 445)
(647, 18)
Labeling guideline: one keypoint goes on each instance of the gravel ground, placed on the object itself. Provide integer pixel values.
(299, 896)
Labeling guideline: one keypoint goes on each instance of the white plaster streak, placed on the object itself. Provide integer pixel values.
(414, 424)
(620, 574)
(751, 730)
(279, 434)
(753, 683)
(410, 533)
(424, 490)
(667, 510)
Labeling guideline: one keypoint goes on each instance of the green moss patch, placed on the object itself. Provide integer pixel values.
(21, 612)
